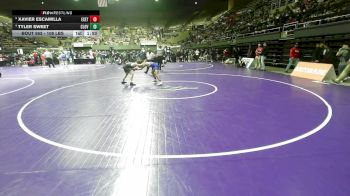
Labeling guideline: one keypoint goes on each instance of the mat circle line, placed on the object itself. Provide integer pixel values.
(32, 82)
(173, 98)
(179, 156)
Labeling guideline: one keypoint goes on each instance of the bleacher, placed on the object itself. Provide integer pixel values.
(279, 23)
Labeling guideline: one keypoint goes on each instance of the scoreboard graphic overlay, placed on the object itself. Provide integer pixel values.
(55, 23)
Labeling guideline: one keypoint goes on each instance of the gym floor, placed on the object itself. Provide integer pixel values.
(210, 129)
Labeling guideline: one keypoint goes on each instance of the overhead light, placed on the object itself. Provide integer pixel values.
(156, 0)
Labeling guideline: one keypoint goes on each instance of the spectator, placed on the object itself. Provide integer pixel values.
(344, 56)
(317, 54)
(226, 54)
(264, 54)
(43, 59)
(196, 55)
(343, 74)
(237, 55)
(63, 58)
(36, 57)
(328, 55)
(294, 56)
(258, 52)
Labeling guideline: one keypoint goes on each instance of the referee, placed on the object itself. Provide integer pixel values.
(159, 57)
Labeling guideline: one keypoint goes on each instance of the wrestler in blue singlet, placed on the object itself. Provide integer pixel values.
(155, 66)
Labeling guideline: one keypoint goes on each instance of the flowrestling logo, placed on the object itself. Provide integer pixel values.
(56, 12)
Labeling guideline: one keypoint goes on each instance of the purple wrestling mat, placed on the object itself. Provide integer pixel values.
(210, 129)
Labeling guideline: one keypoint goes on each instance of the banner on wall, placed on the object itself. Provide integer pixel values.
(145, 42)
